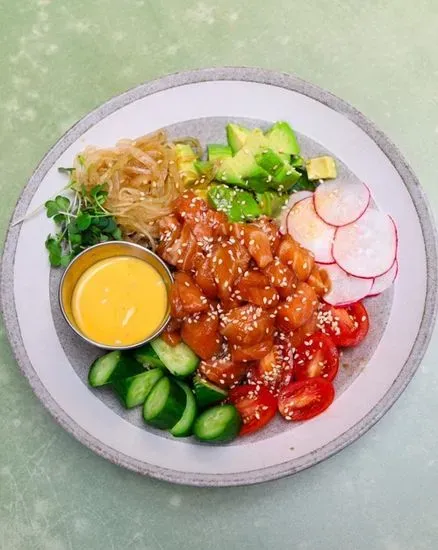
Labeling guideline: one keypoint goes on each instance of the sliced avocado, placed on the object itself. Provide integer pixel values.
(243, 165)
(282, 176)
(185, 161)
(282, 139)
(220, 197)
(271, 203)
(203, 166)
(297, 162)
(239, 205)
(304, 184)
(218, 152)
(236, 136)
(244, 207)
(321, 168)
(184, 152)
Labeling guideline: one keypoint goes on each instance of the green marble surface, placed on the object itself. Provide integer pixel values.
(58, 60)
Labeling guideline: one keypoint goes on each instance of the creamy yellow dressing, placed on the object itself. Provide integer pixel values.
(119, 301)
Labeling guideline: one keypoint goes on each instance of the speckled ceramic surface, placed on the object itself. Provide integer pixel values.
(209, 97)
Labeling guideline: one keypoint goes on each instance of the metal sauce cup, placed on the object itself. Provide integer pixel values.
(102, 251)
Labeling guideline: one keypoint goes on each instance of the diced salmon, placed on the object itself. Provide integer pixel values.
(200, 332)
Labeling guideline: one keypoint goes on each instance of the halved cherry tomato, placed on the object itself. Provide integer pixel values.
(254, 287)
(191, 299)
(224, 372)
(258, 245)
(297, 309)
(282, 278)
(305, 399)
(252, 353)
(347, 326)
(247, 325)
(200, 333)
(317, 356)
(256, 408)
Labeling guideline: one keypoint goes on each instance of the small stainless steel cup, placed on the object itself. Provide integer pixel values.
(102, 251)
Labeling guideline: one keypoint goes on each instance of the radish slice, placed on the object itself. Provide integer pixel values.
(310, 231)
(367, 247)
(339, 203)
(384, 281)
(346, 289)
(294, 198)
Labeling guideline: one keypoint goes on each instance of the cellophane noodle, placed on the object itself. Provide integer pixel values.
(142, 180)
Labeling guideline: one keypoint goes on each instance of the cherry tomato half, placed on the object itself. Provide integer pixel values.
(256, 407)
(317, 356)
(305, 399)
(347, 326)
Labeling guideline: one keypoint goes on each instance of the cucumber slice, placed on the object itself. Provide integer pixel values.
(147, 356)
(165, 404)
(220, 423)
(112, 366)
(133, 391)
(183, 427)
(179, 360)
(207, 393)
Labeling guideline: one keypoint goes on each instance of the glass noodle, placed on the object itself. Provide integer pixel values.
(141, 177)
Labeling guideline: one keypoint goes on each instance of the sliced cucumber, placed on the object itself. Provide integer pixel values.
(207, 393)
(179, 360)
(183, 427)
(220, 423)
(112, 366)
(147, 356)
(165, 404)
(133, 391)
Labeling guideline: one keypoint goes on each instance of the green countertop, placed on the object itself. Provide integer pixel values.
(60, 59)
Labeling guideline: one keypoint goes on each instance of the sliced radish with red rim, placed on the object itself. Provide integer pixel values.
(345, 289)
(367, 247)
(294, 198)
(384, 281)
(307, 228)
(339, 203)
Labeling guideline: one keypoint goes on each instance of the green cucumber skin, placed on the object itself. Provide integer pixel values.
(173, 409)
(179, 360)
(147, 356)
(184, 427)
(207, 393)
(229, 430)
(124, 367)
(133, 391)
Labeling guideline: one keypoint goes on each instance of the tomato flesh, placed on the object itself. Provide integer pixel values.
(305, 399)
(347, 326)
(256, 407)
(317, 356)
